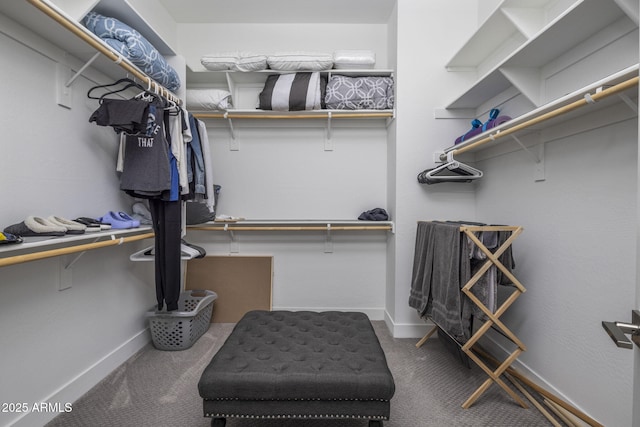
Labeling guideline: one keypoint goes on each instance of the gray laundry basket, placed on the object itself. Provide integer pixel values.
(179, 330)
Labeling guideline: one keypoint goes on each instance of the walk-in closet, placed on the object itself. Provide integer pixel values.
(490, 116)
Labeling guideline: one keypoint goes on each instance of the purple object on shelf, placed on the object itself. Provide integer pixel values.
(478, 127)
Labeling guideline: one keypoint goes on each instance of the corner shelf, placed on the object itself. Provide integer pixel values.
(543, 63)
(527, 49)
(34, 248)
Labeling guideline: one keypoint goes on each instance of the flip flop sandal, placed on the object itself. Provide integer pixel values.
(8, 238)
(134, 222)
(93, 224)
(35, 226)
(72, 227)
(116, 221)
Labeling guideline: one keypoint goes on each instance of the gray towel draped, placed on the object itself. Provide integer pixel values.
(444, 261)
(439, 271)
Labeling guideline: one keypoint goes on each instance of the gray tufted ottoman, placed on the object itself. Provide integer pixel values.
(299, 364)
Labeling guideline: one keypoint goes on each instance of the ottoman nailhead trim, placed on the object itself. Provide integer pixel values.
(279, 416)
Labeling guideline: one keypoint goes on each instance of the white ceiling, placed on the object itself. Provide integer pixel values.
(280, 11)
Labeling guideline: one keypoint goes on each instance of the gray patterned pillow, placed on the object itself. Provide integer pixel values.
(359, 93)
(132, 45)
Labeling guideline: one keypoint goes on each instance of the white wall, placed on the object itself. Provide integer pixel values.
(284, 172)
(426, 40)
(305, 277)
(392, 171)
(576, 257)
(58, 344)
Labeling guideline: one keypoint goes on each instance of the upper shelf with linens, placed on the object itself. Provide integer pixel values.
(343, 84)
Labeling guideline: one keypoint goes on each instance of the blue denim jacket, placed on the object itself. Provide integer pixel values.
(196, 173)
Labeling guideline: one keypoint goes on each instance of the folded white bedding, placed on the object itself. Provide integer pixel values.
(354, 59)
(208, 99)
(234, 61)
(300, 61)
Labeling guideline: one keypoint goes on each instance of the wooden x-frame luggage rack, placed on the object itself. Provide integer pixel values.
(493, 318)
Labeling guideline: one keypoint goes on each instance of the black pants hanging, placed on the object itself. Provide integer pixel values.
(166, 217)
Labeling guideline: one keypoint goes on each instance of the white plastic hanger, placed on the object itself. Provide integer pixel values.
(147, 254)
(450, 171)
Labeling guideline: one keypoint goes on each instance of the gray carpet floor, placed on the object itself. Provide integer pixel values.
(159, 388)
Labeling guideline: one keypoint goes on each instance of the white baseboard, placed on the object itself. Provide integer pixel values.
(83, 382)
(407, 330)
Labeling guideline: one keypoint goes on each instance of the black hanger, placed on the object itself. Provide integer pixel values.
(129, 84)
(123, 80)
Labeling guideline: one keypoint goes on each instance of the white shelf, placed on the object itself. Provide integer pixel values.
(55, 32)
(506, 28)
(497, 33)
(245, 87)
(125, 12)
(328, 227)
(527, 56)
(295, 225)
(206, 78)
(307, 114)
(33, 248)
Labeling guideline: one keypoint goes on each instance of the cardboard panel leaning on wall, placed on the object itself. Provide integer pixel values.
(243, 283)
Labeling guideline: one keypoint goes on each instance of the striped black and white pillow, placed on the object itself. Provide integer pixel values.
(292, 92)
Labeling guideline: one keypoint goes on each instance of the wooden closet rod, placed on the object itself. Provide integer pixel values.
(589, 98)
(231, 115)
(83, 34)
(293, 228)
(17, 259)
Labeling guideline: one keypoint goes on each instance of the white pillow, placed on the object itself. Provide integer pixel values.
(234, 61)
(248, 61)
(355, 59)
(208, 99)
(300, 61)
(219, 61)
